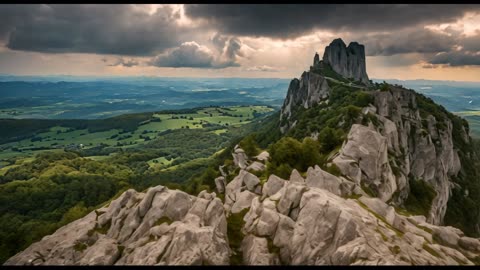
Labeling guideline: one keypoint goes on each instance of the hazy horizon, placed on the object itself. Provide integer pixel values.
(193, 77)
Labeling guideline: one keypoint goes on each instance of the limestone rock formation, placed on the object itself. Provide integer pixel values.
(318, 220)
(220, 184)
(402, 140)
(309, 90)
(158, 227)
(263, 156)
(312, 87)
(240, 191)
(239, 157)
(347, 61)
(364, 158)
(308, 225)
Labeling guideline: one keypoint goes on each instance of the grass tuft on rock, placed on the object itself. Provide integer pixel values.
(163, 220)
(80, 247)
(235, 224)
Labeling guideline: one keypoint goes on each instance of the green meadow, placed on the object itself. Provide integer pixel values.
(57, 138)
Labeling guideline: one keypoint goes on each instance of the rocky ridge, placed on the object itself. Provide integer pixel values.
(159, 227)
(315, 219)
(324, 219)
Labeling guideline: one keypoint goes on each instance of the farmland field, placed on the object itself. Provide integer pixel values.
(57, 138)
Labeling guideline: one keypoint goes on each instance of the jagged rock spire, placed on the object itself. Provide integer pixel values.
(347, 61)
(316, 59)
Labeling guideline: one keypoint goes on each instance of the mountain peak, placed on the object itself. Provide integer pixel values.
(316, 59)
(347, 61)
(338, 42)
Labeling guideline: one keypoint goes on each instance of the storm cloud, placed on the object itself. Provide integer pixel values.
(191, 54)
(291, 21)
(101, 29)
(221, 36)
(408, 41)
(456, 58)
(471, 43)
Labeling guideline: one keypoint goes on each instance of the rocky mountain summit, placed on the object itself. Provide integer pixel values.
(403, 137)
(347, 61)
(363, 174)
(339, 63)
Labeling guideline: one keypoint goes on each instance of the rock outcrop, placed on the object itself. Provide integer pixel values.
(364, 159)
(159, 227)
(312, 87)
(239, 157)
(309, 90)
(347, 61)
(302, 224)
(326, 219)
(404, 142)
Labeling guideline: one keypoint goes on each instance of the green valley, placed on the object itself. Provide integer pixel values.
(63, 169)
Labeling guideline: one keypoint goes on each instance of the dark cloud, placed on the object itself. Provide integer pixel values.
(408, 41)
(232, 48)
(191, 54)
(456, 58)
(471, 43)
(438, 49)
(290, 21)
(102, 29)
(128, 30)
(219, 41)
(228, 47)
(124, 62)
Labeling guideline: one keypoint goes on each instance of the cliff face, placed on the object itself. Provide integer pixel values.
(347, 61)
(309, 90)
(415, 147)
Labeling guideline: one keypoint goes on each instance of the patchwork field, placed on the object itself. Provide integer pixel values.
(58, 138)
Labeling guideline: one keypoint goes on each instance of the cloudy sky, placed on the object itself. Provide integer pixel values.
(439, 42)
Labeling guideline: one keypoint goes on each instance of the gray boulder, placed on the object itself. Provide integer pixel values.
(240, 159)
(220, 184)
(256, 166)
(273, 185)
